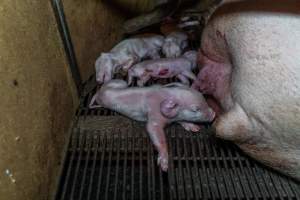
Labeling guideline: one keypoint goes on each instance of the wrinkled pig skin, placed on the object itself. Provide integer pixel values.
(250, 63)
(125, 54)
(174, 44)
(165, 68)
(158, 106)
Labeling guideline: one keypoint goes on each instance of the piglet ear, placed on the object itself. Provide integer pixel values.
(169, 108)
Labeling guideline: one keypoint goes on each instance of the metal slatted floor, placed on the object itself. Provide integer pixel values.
(111, 157)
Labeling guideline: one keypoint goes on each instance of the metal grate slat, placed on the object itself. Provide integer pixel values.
(85, 169)
(211, 175)
(221, 177)
(132, 168)
(203, 172)
(107, 182)
(77, 168)
(125, 166)
(196, 176)
(100, 176)
(121, 164)
(96, 150)
(188, 175)
(115, 193)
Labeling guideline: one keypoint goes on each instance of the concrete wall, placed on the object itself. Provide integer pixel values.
(94, 27)
(37, 100)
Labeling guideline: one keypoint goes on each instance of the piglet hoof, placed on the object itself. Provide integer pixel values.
(195, 128)
(191, 127)
(162, 161)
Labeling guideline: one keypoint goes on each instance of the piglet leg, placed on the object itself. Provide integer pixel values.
(183, 79)
(190, 126)
(143, 80)
(130, 78)
(189, 74)
(158, 138)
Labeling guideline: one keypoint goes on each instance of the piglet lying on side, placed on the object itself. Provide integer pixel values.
(158, 106)
(125, 54)
(174, 44)
(165, 68)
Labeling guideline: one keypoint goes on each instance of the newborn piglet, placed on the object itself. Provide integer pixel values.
(165, 68)
(125, 54)
(174, 44)
(158, 106)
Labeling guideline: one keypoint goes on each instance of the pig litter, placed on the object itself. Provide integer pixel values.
(110, 156)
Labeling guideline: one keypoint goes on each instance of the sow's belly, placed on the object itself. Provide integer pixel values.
(260, 91)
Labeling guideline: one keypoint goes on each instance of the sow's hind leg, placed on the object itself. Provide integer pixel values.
(251, 137)
(233, 125)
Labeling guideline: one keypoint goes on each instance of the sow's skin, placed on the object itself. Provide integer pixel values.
(251, 66)
(158, 106)
(174, 44)
(165, 68)
(125, 54)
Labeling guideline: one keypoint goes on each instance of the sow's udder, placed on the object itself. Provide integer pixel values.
(251, 71)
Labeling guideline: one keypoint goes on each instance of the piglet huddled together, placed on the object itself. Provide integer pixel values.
(125, 54)
(158, 57)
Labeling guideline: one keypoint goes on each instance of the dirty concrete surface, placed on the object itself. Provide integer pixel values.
(37, 102)
(94, 27)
